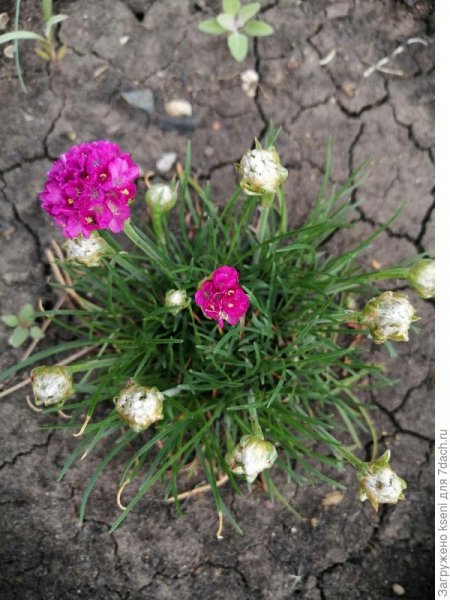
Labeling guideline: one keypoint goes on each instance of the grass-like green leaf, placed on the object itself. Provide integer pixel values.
(20, 35)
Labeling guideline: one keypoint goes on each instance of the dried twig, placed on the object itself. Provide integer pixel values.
(198, 490)
(399, 50)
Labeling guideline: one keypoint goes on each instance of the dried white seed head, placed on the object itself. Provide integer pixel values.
(251, 456)
(250, 80)
(161, 197)
(421, 277)
(388, 317)
(51, 385)
(261, 171)
(379, 484)
(176, 301)
(86, 251)
(140, 406)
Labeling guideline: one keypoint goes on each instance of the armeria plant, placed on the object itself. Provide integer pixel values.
(220, 350)
(237, 23)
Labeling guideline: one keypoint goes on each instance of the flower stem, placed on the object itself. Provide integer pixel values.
(262, 229)
(256, 427)
(158, 228)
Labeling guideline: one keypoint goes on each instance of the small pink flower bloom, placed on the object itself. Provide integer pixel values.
(225, 278)
(221, 298)
(89, 187)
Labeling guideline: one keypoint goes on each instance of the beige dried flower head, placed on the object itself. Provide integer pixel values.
(140, 406)
(251, 456)
(86, 251)
(388, 317)
(51, 385)
(261, 171)
(379, 484)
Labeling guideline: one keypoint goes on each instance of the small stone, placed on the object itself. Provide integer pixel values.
(166, 162)
(398, 589)
(376, 264)
(72, 136)
(348, 87)
(178, 108)
(8, 51)
(4, 20)
(294, 530)
(137, 98)
(100, 70)
(208, 151)
(123, 40)
(338, 10)
(250, 79)
(332, 499)
(314, 522)
(216, 125)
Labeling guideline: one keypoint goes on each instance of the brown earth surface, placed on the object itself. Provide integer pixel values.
(344, 551)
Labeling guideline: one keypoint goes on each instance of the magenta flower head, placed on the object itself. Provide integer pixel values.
(221, 298)
(89, 187)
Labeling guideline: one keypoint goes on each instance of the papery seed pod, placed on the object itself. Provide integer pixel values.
(86, 251)
(261, 171)
(161, 198)
(176, 301)
(140, 406)
(421, 277)
(251, 456)
(388, 317)
(379, 484)
(51, 385)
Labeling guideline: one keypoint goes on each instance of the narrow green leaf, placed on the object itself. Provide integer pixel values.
(10, 320)
(247, 12)
(42, 53)
(47, 9)
(52, 22)
(18, 337)
(228, 22)
(61, 52)
(20, 35)
(258, 28)
(238, 46)
(212, 27)
(231, 7)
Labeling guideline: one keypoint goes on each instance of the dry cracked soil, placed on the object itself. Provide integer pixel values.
(312, 83)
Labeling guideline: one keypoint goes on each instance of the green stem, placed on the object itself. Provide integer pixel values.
(373, 433)
(351, 458)
(256, 427)
(394, 273)
(262, 229)
(158, 228)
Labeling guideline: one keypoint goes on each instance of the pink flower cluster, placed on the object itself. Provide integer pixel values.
(221, 298)
(90, 187)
